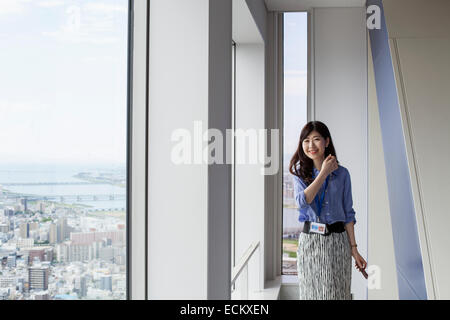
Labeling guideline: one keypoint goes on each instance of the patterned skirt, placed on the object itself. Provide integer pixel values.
(324, 266)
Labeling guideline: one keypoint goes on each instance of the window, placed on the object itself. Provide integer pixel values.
(295, 117)
(63, 156)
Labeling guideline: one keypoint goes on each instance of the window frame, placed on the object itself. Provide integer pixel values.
(287, 278)
(138, 81)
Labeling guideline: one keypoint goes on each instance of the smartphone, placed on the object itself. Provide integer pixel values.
(365, 274)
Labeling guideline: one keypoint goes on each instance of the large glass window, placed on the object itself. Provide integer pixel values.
(63, 151)
(295, 117)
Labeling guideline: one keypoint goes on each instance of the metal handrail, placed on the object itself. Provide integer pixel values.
(243, 261)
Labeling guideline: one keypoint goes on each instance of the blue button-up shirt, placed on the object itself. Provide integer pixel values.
(337, 204)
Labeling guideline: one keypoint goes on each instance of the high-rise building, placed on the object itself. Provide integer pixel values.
(11, 260)
(48, 254)
(43, 235)
(9, 212)
(106, 282)
(36, 254)
(25, 204)
(80, 252)
(62, 252)
(25, 230)
(24, 243)
(34, 226)
(4, 228)
(62, 231)
(112, 237)
(42, 295)
(7, 281)
(53, 235)
(106, 254)
(83, 286)
(38, 278)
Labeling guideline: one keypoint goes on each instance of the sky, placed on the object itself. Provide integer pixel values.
(63, 81)
(295, 79)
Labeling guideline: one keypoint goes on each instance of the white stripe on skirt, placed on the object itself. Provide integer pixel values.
(324, 266)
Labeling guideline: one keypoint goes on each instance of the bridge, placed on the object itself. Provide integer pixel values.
(69, 198)
(7, 184)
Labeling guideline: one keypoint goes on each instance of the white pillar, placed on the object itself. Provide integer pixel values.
(188, 205)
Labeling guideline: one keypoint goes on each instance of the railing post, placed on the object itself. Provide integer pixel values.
(241, 271)
(244, 283)
(258, 285)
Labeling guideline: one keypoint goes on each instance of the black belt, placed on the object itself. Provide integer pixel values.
(336, 227)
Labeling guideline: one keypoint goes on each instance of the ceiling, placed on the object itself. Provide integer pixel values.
(299, 5)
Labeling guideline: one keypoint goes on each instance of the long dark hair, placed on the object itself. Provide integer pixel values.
(300, 164)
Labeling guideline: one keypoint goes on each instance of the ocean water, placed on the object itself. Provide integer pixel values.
(52, 174)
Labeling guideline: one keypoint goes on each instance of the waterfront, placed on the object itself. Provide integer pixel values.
(63, 232)
(59, 182)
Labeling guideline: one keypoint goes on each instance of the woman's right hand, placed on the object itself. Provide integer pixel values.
(329, 165)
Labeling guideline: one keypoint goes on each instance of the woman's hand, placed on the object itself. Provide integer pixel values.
(360, 263)
(329, 165)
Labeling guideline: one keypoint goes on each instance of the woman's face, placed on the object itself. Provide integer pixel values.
(314, 145)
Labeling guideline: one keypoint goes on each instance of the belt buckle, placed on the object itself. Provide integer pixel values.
(306, 227)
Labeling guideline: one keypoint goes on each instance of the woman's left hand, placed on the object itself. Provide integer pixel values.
(360, 263)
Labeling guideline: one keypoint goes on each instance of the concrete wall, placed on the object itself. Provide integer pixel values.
(420, 52)
(421, 62)
(190, 79)
(340, 101)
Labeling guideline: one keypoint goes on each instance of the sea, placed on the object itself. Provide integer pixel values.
(49, 180)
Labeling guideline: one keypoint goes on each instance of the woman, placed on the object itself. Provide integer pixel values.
(323, 193)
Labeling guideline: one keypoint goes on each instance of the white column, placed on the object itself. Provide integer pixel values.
(189, 233)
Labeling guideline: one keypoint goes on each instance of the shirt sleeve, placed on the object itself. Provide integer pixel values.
(299, 192)
(348, 201)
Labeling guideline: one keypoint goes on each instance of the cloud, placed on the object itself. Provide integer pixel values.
(13, 6)
(51, 3)
(65, 35)
(22, 106)
(104, 8)
(35, 131)
(302, 73)
(296, 83)
(93, 23)
(108, 59)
